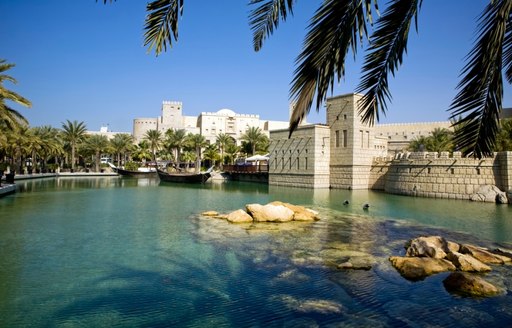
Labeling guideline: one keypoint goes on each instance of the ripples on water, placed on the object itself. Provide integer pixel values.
(128, 252)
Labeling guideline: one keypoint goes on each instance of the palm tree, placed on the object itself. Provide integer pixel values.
(176, 140)
(337, 28)
(73, 133)
(222, 141)
(154, 138)
(121, 144)
(96, 144)
(255, 138)
(211, 153)
(196, 142)
(51, 144)
(232, 151)
(9, 117)
(142, 151)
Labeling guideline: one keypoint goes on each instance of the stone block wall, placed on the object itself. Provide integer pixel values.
(442, 176)
(301, 160)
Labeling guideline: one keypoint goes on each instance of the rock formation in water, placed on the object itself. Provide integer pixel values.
(433, 254)
(276, 212)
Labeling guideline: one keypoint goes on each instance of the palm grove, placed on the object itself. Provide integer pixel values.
(45, 148)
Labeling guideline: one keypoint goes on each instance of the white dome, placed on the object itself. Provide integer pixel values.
(226, 112)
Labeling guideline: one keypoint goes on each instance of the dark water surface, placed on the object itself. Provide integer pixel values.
(114, 252)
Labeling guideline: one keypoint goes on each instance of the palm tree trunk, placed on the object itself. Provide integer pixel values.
(72, 158)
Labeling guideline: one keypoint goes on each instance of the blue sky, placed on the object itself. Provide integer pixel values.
(82, 60)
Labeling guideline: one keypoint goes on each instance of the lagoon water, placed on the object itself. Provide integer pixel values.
(118, 252)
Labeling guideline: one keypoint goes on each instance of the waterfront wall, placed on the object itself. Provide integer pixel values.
(301, 160)
(441, 175)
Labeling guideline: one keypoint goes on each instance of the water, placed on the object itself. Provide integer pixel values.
(117, 252)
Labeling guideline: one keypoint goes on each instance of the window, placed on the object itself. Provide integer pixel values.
(298, 164)
(282, 164)
(345, 138)
(337, 138)
(306, 163)
(362, 138)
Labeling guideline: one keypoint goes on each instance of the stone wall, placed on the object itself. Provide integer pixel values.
(301, 160)
(441, 176)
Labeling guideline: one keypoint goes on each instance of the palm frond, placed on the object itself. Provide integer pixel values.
(481, 88)
(265, 18)
(385, 55)
(507, 51)
(162, 24)
(334, 30)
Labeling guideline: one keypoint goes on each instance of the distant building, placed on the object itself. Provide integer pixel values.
(104, 131)
(208, 124)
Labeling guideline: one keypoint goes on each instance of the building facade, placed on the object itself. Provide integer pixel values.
(208, 124)
(349, 154)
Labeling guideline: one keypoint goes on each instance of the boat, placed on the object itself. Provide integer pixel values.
(183, 177)
(142, 172)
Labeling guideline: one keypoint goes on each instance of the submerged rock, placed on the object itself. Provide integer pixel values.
(311, 305)
(210, 213)
(470, 284)
(417, 268)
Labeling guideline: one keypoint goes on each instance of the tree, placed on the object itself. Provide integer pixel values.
(142, 151)
(337, 28)
(154, 139)
(255, 138)
(222, 141)
(74, 134)
(10, 118)
(232, 151)
(196, 142)
(504, 139)
(121, 144)
(211, 153)
(439, 140)
(51, 144)
(175, 140)
(96, 144)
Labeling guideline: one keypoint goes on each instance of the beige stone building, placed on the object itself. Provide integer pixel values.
(348, 154)
(208, 124)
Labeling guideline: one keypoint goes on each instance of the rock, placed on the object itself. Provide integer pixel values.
(505, 254)
(210, 213)
(354, 266)
(466, 262)
(239, 216)
(300, 213)
(270, 213)
(488, 193)
(434, 246)
(469, 284)
(480, 254)
(417, 268)
(509, 196)
(502, 198)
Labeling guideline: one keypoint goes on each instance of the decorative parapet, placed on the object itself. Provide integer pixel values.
(168, 102)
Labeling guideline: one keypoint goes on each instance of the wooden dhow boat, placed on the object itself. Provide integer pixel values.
(183, 177)
(142, 172)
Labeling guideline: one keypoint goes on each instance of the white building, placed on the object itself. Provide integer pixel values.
(208, 124)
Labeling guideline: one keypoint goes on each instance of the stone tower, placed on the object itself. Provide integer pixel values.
(172, 116)
(351, 143)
